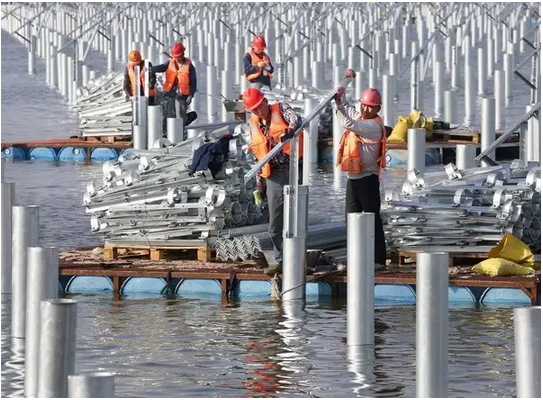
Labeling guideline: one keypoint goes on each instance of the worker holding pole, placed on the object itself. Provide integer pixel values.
(269, 125)
(179, 82)
(257, 64)
(362, 156)
(130, 82)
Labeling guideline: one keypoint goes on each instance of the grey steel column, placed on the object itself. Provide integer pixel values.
(311, 136)
(360, 278)
(432, 324)
(25, 234)
(416, 150)
(450, 109)
(91, 385)
(488, 126)
(528, 351)
(8, 198)
(57, 346)
(154, 125)
(465, 155)
(175, 130)
(42, 284)
(32, 55)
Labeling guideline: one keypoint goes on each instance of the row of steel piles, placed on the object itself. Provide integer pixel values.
(149, 196)
(102, 107)
(475, 206)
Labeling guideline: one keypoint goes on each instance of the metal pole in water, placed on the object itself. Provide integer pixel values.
(450, 110)
(211, 89)
(528, 351)
(438, 88)
(226, 92)
(42, 284)
(508, 77)
(32, 55)
(488, 126)
(416, 150)
(25, 234)
(533, 138)
(432, 324)
(499, 93)
(91, 385)
(8, 198)
(470, 93)
(175, 130)
(311, 136)
(465, 155)
(388, 100)
(481, 71)
(57, 346)
(360, 278)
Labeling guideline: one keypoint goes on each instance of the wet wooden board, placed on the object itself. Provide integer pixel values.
(156, 253)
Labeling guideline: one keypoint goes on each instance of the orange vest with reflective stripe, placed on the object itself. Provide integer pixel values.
(132, 75)
(260, 145)
(349, 157)
(254, 61)
(181, 72)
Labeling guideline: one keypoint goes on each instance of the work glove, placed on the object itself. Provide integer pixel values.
(289, 134)
(349, 74)
(339, 97)
(189, 100)
(261, 64)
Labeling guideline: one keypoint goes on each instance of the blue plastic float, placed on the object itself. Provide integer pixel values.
(72, 154)
(14, 153)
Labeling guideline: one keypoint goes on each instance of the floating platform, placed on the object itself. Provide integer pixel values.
(85, 270)
(72, 149)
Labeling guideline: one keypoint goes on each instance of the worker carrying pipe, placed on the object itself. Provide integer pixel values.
(269, 125)
(362, 156)
(180, 82)
(129, 84)
(257, 64)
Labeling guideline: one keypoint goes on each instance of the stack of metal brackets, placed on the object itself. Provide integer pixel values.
(469, 207)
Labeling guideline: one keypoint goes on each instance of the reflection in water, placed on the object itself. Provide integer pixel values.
(361, 362)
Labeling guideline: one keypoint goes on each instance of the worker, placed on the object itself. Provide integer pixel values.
(362, 156)
(179, 81)
(269, 125)
(257, 64)
(129, 85)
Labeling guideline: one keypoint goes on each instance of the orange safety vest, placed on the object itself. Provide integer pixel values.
(181, 72)
(254, 61)
(260, 145)
(348, 156)
(132, 75)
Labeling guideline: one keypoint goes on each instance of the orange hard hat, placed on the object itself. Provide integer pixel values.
(371, 97)
(134, 56)
(252, 98)
(177, 50)
(259, 42)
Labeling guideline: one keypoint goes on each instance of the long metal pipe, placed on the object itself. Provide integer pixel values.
(25, 234)
(91, 385)
(42, 284)
(57, 346)
(432, 324)
(360, 278)
(416, 150)
(528, 351)
(8, 198)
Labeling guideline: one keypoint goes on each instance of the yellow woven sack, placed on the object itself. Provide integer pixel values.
(513, 249)
(501, 267)
(419, 120)
(399, 133)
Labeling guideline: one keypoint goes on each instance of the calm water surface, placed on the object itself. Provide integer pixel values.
(205, 347)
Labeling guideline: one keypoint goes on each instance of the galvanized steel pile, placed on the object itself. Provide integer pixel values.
(468, 207)
(148, 195)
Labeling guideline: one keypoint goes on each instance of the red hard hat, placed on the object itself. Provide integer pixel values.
(177, 50)
(252, 98)
(134, 56)
(371, 97)
(259, 42)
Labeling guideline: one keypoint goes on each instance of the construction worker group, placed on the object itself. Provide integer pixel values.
(361, 152)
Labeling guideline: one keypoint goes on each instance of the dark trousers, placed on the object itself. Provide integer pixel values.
(364, 195)
(274, 194)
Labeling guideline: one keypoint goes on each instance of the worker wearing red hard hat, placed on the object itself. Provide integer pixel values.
(269, 125)
(129, 85)
(179, 80)
(257, 64)
(362, 156)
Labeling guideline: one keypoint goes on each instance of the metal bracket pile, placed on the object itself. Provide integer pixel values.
(465, 207)
(239, 248)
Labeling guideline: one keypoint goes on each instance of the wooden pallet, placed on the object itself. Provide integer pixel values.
(455, 259)
(457, 136)
(155, 253)
(106, 139)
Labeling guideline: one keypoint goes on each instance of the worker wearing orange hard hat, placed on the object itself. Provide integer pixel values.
(129, 84)
(362, 156)
(257, 64)
(269, 125)
(179, 80)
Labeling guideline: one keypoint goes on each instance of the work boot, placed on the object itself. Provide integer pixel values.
(379, 267)
(274, 269)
